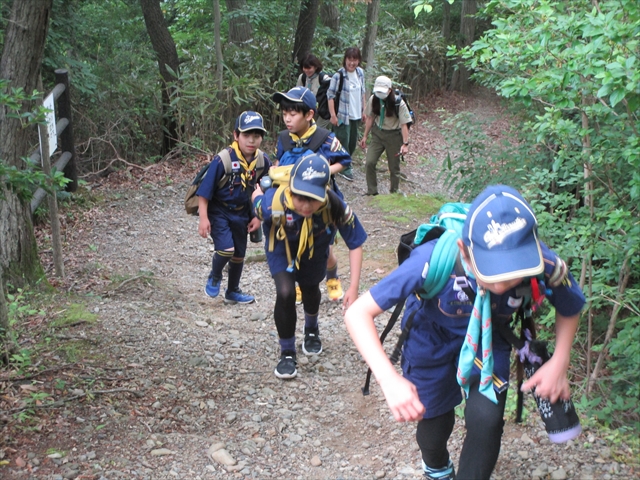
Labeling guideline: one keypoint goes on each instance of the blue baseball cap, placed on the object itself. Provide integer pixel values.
(297, 95)
(310, 176)
(249, 121)
(501, 234)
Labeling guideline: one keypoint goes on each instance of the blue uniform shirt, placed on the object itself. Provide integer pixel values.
(430, 353)
(232, 196)
(312, 270)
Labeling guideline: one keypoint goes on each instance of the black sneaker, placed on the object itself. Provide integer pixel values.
(312, 344)
(347, 174)
(286, 367)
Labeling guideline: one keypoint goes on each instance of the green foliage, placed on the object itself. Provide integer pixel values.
(573, 69)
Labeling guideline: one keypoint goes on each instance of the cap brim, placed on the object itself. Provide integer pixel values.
(311, 191)
(499, 266)
(381, 89)
(277, 97)
(242, 130)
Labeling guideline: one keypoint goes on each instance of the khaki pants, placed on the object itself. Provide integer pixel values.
(381, 141)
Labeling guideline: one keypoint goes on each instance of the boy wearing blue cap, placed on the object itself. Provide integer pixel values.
(499, 250)
(224, 204)
(306, 215)
(303, 136)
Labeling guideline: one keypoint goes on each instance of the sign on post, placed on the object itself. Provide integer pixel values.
(50, 117)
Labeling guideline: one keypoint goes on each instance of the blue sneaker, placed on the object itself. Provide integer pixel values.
(212, 288)
(236, 296)
(445, 473)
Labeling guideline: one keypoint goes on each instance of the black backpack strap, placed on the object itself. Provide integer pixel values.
(285, 140)
(392, 321)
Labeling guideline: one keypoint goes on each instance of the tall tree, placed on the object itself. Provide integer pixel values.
(165, 49)
(446, 19)
(305, 29)
(460, 79)
(330, 15)
(217, 41)
(24, 40)
(240, 30)
(370, 33)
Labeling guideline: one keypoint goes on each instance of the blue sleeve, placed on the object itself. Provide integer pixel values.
(404, 280)
(279, 149)
(352, 231)
(209, 185)
(334, 151)
(567, 297)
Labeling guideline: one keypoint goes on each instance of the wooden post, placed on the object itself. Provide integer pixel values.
(56, 244)
(67, 143)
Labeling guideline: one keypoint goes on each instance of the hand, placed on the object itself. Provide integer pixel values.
(363, 143)
(404, 149)
(334, 120)
(350, 296)
(402, 398)
(550, 381)
(254, 225)
(204, 227)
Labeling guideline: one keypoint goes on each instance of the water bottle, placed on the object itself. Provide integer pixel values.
(560, 419)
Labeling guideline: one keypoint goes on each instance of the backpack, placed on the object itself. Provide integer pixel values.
(321, 95)
(400, 96)
(191, 199)
(292, 154)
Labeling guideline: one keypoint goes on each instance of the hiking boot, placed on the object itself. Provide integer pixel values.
(334, 289)
(286, 367)
(212, 288)
(236, 296)
(445, 473)
(347, 174)
(298, 295)
(312, 344)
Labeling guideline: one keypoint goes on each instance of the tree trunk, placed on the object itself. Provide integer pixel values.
(24, 40)
(460, 80)
(305, 29)
(165, 49)
(446, 20)
(240, 30)
(330, 15)
(371, 31)
(217, 41)
(5, 345)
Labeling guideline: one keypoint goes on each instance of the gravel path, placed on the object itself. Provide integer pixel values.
(209, 405)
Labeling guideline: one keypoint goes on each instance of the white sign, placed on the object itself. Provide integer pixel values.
(50, 118)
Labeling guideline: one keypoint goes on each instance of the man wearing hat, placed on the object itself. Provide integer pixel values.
(500, 251)
(224, 204)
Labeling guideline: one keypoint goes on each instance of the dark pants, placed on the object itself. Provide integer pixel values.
(348, 135)
(484, 423)
(284, 313)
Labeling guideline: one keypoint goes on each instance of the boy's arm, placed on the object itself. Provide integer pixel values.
(204, 227)
(550, 381)
(355, 267)
(401, 395)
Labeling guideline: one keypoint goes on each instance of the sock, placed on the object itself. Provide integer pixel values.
(332, 272)
(220, 259)
(287, 344)
(235, 271)
(310, 321)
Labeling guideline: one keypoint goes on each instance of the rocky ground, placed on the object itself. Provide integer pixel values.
(170, 384)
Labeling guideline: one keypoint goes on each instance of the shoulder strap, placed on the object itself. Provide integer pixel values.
(259, 163)
(318, 138)
(304, 79)
(225, 157)
(285, 141)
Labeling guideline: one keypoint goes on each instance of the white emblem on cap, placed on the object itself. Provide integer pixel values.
(251, 118)
(496, 232)
(310, 173)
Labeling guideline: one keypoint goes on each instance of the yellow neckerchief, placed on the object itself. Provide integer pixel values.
(299, 141)
(247, 168)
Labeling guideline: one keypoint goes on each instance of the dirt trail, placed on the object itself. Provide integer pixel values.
(176, 375)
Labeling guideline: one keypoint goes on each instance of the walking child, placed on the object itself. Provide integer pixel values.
(305, 216)
(224, 204)
(303, 136)
(499, 250)
(388, 123)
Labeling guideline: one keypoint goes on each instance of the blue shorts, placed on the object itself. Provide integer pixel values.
(311, 270)
(229, 230)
